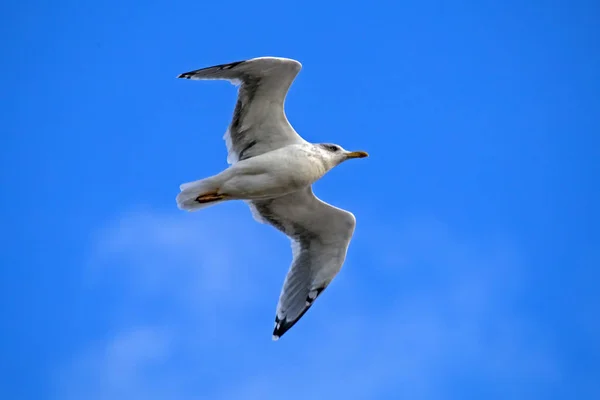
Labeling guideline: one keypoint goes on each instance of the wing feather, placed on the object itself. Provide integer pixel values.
(320, 235)
(259, 123)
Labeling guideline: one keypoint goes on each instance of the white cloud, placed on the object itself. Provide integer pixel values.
(192, 257)
(123, 367)
(436, 309)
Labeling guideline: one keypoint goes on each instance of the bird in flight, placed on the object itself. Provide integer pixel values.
(272, 169)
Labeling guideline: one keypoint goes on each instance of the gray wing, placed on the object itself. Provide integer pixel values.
(259, 124)
(320, 235)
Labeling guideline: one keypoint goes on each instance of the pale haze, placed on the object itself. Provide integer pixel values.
(473, 267)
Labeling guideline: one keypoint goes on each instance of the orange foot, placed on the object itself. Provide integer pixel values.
(209, 197)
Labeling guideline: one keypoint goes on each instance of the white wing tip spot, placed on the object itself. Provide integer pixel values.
(275, 338)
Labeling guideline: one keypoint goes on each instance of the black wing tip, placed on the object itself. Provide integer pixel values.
(190, 75)
(283, 325)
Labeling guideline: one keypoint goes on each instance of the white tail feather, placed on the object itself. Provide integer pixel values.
(186, 199)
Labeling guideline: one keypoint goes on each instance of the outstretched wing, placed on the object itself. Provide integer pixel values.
(259, 124)
(320, 235)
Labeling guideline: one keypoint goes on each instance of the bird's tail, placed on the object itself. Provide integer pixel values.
(199, 194)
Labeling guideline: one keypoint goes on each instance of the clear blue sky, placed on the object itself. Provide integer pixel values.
(474, 269)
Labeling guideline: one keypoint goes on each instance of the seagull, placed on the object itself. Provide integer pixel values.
(272, 169)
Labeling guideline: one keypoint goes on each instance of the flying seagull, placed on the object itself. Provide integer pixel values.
(272, 168)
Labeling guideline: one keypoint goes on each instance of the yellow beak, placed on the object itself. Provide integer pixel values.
(357, 154)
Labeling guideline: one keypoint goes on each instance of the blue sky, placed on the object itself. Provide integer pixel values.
(474, 267)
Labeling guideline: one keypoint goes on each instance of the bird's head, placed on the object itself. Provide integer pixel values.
(336, 154)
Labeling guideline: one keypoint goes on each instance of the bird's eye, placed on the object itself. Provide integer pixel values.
(333, 148)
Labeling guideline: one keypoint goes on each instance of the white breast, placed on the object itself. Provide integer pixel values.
(275, 173)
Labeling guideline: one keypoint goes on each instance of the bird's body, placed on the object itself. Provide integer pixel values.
(272, 169)
(298, 166)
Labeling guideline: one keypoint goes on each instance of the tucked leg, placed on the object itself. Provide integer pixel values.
(210, 197)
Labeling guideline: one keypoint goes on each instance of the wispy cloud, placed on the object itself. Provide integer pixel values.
(123, 366)
(193, 259)
(432, 310)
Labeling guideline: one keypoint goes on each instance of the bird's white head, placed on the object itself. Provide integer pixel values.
(335, 154)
